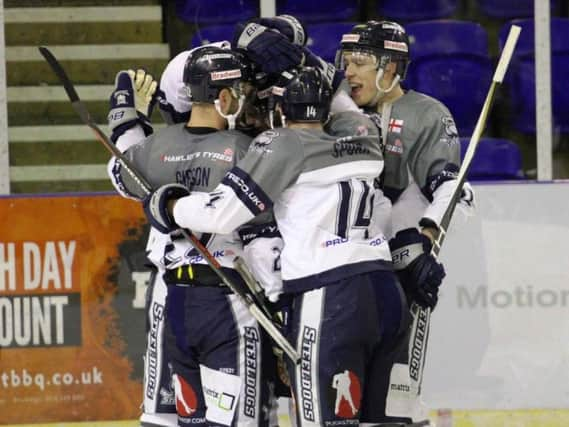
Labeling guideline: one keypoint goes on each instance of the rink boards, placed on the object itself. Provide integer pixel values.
(498, 353)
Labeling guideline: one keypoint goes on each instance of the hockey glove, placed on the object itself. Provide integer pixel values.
(419, 271)
(131, 102)
(156, 206)
(288, 26)
(268, 48)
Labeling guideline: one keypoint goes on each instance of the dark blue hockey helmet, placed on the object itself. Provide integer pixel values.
(386, 40)
(303, 94)
(210, 69)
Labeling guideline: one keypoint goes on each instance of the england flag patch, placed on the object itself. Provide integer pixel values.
(395, 125)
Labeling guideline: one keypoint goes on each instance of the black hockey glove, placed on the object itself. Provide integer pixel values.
(156, 206)
(131, 102)
(288, 26)
(268, 48)
(419, 272)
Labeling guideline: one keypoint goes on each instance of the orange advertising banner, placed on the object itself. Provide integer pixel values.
(72, 323)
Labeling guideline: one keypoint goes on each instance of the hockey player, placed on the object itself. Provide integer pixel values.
(420, 144)
(216, 348)
(349, 317)
(159, 406)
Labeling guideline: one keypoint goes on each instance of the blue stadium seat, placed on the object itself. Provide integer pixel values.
(212, 33)
(314, 11)
(207, 12)
(413, 10)
(324, 38)
(450, 61)
(510, 9)
(520, 79)
(447, 37)
(494, 159)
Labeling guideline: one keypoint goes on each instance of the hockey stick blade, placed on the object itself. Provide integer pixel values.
(422, 315)
(83, 113)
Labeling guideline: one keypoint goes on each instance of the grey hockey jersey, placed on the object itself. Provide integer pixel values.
(197, 158)
(320, 186)
(422, 158)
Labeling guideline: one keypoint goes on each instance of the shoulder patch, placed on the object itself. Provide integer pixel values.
(261, 142)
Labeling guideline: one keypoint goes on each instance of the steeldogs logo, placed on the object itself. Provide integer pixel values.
(417, 346)
(251, 367)
(306, 380)
(157, 317)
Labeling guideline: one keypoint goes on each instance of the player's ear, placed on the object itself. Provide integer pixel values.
(225, 100)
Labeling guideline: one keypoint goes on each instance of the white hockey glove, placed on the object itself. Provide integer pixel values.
(156, 206)
(131, 102)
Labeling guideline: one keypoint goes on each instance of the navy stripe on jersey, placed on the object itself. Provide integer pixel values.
(330, 276)
(250, 232)
(345, 192)
(247, 190)
(449, 173)
(117, 177)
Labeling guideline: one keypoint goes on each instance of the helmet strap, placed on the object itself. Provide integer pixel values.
(380, 91)
(231, 118)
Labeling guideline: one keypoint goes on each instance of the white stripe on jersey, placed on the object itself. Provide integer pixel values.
(308, 339)
(249, 364)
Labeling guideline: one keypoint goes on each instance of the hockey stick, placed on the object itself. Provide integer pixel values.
(422, 315)
(247, 299)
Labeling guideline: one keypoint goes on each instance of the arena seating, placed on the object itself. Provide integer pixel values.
(510, 9)
(324, 38)
(520, 79)
(313, 11)
(450, 61)
(212, 33)
(494, 159)
(412, 10)
(214, 11)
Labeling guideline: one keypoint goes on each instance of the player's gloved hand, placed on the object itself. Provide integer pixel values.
(131, 102)
(288, 26)
(419, 271)
(268, 48)
(156, 206)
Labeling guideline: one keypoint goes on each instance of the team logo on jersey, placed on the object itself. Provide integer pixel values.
(348, 394)
(395, 125)
(450, 130)
(261, 143)
(186, 399)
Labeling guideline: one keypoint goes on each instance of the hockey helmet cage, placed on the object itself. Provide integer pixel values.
(381, 38)
(210, 69)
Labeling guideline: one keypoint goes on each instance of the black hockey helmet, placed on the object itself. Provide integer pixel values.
(304, 94)
(210, 69)
(387, 40)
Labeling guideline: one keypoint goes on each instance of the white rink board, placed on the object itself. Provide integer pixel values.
(500, 334)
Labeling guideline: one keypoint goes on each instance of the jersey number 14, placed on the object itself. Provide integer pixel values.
(356, 195)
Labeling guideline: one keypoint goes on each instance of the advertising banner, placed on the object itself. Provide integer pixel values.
(72, 282)
(500, 334)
